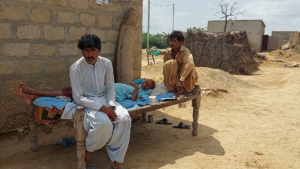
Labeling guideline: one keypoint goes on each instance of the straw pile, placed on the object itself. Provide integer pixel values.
(230, 52)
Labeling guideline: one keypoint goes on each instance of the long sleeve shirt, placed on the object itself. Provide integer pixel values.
(184, 59)
(93, 85)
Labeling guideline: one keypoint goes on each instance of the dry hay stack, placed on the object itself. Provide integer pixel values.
(230, 52)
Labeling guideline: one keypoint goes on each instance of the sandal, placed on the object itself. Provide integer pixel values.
(163, 121)
(182, 126)
(90, 165)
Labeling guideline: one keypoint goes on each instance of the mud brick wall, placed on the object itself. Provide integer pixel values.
(38, 42)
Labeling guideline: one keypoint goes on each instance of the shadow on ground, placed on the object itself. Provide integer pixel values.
(151, 146)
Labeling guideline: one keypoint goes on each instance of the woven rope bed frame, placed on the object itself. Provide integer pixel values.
(80, 134)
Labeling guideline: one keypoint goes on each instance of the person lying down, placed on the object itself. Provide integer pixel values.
(129, 91)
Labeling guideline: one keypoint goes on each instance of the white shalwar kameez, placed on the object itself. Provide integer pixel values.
(93, 87)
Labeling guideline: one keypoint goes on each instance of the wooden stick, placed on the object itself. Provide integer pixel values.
(80, 135)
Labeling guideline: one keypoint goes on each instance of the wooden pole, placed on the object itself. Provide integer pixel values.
(126, 43)
(196, 105)
(32, 128)
(80, 135)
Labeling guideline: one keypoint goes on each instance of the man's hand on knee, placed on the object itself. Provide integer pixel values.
(111, 114)
(179, 87)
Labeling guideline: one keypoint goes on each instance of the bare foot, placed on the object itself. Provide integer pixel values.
(26, 98)
(117, 165)
(25, 89)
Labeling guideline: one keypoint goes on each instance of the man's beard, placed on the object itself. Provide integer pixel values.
(90, 59)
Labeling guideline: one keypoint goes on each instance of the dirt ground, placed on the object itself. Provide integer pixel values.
(255, 125)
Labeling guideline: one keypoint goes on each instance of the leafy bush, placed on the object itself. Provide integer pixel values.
(155, 40)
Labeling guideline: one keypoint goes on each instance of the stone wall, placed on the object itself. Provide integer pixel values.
(38, 42)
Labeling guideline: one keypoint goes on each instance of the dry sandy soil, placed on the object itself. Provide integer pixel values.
(255, 125)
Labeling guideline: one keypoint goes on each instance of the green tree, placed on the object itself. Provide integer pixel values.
(157, 40)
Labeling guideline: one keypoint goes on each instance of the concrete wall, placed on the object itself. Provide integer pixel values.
(38, 42)
(254, 28)
(273, 43)
(278, 38)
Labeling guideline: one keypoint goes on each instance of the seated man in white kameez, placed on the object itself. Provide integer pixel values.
(106, 121)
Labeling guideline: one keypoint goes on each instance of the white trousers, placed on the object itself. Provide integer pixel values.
(102, 131)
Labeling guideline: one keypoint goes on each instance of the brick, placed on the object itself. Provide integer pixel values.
(7, 104)
(68, 49)
(43, 50)
(54, 33)
(57, 2)
(71, 61)
(7, 67)
(30, 67)
(40, 15)
(65, 80)
(11, 85)
(117, 22)
(139, 35)
(80, 4)
(28, 32)
(108, 48)
(76, 32)
(137, 1)
(99, 7)
(66, 17)
(5, 32)
(46, 83)
(114, 7)
(105, 21)
(98, 32)
(55, 65)
(87, 20)
(12, 13)
(113, 36)
(16, 49)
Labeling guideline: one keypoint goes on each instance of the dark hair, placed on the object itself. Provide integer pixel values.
(178, 35)
(88, 41)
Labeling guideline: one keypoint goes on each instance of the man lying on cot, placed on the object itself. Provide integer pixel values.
(123, 92)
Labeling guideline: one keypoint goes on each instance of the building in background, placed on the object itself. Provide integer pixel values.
(255, 30)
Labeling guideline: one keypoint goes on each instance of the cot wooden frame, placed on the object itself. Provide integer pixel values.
(80, 134)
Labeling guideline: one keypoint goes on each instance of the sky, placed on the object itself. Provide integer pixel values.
(278, 15)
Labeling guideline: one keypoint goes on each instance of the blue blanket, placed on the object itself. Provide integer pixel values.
(49, 102)
(131, 105)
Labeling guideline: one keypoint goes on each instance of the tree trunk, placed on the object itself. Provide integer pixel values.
(225, 24)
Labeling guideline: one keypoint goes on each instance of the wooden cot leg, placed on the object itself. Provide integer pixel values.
(32, 128)
(144, 119)
(80, 135)
(196, 106)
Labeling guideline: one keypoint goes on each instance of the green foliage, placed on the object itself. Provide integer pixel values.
(155, 40)
(195, 29)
